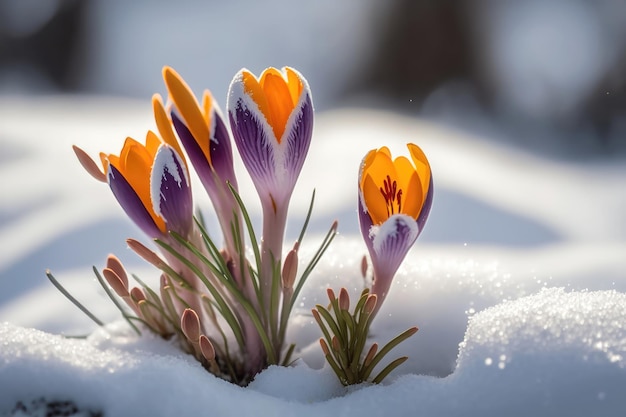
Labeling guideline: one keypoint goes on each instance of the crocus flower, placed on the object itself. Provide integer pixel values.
(272, 122)
(271, 118)
(151, 183)
(395, 198)
(204, 136)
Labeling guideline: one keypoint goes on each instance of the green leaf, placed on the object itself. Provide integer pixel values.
(393, 365)
(381, 353)
(74, 301)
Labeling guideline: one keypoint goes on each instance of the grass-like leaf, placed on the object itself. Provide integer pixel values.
(74, 301)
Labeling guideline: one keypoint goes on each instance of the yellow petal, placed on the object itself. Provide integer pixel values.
(187, 105)
(386, 151)
(367, 161)
(295, 85)
(255, 91)
(152, 145)
(274, 95)
(207, 105)
(164, 125)
(279, 101)
(422, 167)
(412, 197)
(378, 166)
(374, 201)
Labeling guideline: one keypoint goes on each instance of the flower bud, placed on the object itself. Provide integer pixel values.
(344, 299)
(116, 282)
(137, 295)
(190, 325)
(207, 349)
(370, 304)
(148, 255)
(290, 269)
(324, 347)
(90, 166)
(331, 294)
(115, 264)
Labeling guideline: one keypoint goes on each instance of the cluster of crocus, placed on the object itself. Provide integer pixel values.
(395, 196)
(231, 312)
(230, 309)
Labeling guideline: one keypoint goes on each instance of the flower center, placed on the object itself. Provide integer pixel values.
(392, 195)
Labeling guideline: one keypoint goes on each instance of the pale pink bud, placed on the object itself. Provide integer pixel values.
(336, 345)
(207, 349)
(316, 316)
(137, 295)
(344, 299)
(290, 269)
(190, 324)
(90, 166)
(324, 347)
(370, 303)
(147, 254)
(115, 264)
(331, 294)
(116, 282)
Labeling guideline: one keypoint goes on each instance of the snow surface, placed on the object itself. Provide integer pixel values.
(517, 283)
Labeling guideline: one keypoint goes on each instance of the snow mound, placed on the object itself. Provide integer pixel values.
(551, 352)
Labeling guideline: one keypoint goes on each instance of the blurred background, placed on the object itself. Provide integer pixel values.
(547, 75)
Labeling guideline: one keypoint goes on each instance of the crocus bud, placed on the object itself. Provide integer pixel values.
(147, 254)
(207, 349)
(116, 282)
(344, 299)
(331, 294)
(324, 347)
(137, 295)
(336, 344)
(190, 325)
(370, 304)
(116, 265)
(90, 166)
(290, 269)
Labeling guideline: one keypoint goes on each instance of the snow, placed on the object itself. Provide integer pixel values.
(517, 282)
(532, 356)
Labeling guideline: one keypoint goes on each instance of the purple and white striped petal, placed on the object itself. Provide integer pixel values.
(254, 139)
(213, 176)
(391, 242)
(131, 203)
(365, 223)
(221, 149)
(297, 136)
(273, 163)
(170, 190)
(428, 202)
